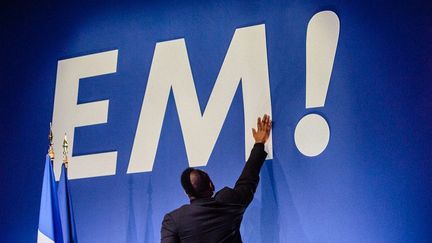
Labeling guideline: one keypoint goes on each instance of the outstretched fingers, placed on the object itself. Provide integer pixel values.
(259, 124)
(269, 125)
(266, 123)
(262, 133)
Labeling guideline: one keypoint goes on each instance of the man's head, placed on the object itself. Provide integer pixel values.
(197, 183)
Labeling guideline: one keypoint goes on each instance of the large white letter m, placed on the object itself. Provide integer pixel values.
(245, 60)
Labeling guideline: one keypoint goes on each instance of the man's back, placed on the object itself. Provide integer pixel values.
(216, 219)
(208, 220)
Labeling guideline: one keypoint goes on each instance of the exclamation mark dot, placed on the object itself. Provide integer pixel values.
(312, 133)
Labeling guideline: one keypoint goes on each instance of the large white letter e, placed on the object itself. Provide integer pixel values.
(67, 114)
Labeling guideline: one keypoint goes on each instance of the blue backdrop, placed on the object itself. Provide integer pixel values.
(373, 182)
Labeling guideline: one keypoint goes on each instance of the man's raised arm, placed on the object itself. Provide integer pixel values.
(247, 183)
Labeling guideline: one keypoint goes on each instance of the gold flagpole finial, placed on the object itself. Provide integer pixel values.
(50, 140)
(65, 151)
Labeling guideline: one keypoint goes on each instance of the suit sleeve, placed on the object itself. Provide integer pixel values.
(247, 183)
(169, 231)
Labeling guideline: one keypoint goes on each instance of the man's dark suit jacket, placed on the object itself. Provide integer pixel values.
(216, 219)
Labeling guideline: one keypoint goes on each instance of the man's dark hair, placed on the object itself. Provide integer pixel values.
(200, 186)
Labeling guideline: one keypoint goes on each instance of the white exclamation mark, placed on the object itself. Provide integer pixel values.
(312, 132)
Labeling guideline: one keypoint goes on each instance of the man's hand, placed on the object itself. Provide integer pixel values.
(264, 127)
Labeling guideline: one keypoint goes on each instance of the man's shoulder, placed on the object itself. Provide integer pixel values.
(178, 210)
(222, 192)
(226, 195)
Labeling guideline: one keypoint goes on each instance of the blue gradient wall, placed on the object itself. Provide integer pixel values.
(371, 184)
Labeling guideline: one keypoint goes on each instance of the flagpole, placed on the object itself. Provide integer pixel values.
(65, 151)
(51, 146)
(65, 200)
(49, 227)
